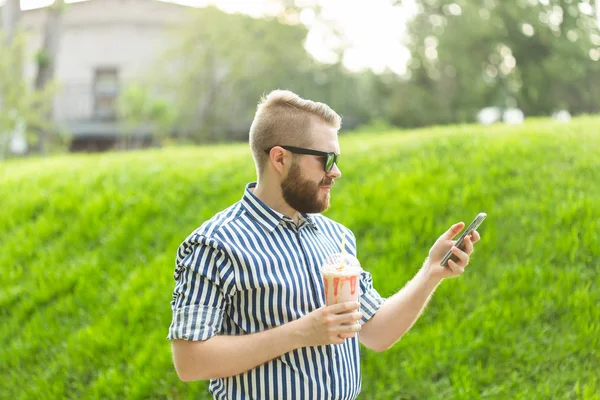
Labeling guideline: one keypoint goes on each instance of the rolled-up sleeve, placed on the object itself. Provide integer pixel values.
(203, 287)
(370, 300)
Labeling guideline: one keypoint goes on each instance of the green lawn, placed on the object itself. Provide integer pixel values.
(87, 247)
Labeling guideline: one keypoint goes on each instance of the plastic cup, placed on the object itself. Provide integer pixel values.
(341, 277)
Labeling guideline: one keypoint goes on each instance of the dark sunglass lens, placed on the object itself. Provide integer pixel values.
(329, 163)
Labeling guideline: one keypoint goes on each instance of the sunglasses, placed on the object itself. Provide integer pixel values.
(329, 156)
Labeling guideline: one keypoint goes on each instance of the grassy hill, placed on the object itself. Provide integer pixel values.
(87, 246)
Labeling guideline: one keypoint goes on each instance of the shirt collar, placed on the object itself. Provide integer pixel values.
(265, 215)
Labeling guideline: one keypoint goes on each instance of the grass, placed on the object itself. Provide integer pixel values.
(87, 246)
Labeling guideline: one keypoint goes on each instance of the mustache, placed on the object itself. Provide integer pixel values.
(327, 182)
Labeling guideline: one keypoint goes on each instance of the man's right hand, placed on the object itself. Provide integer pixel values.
(329, 324)
(195, 360)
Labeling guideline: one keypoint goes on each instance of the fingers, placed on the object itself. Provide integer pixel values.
(455, 268)
(346, 335)
(349, 331)
(463, 258)
(453, 231)
(475, 237)
(337, 320)
(333, 324)
(468, 244)
(343, 307)
(346, 318)
(343, 326)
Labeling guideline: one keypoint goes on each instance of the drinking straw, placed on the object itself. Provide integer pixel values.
(343, 251)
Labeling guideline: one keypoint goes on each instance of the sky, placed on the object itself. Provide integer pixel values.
(373, 30)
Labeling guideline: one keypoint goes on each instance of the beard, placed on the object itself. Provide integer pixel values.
(302, 194)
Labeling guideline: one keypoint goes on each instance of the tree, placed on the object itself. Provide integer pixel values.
(139, 110)
(538, 55)
(46, 59)
(20, 105)
(221, 65)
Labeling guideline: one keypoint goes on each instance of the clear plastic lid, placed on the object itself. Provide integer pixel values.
(342, 263)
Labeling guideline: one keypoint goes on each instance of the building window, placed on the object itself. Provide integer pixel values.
(106, 91)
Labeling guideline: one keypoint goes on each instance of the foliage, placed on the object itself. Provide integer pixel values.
(19, 103)
(540, 56)
(222, 61)
(140, 109)
(221, 64)
(466, 55)
(87, 245)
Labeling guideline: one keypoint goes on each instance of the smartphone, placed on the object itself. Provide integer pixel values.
(460, 242)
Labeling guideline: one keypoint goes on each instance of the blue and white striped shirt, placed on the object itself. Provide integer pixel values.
(249, 269)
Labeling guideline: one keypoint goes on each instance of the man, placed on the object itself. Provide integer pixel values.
(248, 305)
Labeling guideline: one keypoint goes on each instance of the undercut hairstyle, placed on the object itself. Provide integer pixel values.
(284, 118)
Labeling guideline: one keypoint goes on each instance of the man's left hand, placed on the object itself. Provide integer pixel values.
(442, 245)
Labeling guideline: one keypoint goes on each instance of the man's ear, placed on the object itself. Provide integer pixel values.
(279, 158)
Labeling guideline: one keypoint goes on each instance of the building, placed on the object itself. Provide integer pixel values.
(104, 44)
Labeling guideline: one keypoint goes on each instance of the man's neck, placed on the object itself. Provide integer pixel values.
(275, 201)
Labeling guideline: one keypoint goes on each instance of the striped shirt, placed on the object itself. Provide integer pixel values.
(249, 269)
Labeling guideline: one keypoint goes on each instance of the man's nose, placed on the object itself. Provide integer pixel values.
(335, 172)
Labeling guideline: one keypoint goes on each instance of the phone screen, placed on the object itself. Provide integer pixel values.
(460, 242)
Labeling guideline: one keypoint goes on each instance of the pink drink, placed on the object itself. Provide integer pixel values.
(342, 280)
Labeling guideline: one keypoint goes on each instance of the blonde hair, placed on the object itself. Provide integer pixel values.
(284, 118)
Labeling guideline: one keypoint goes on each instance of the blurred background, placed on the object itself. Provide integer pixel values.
(124, 126)
(106, 74)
